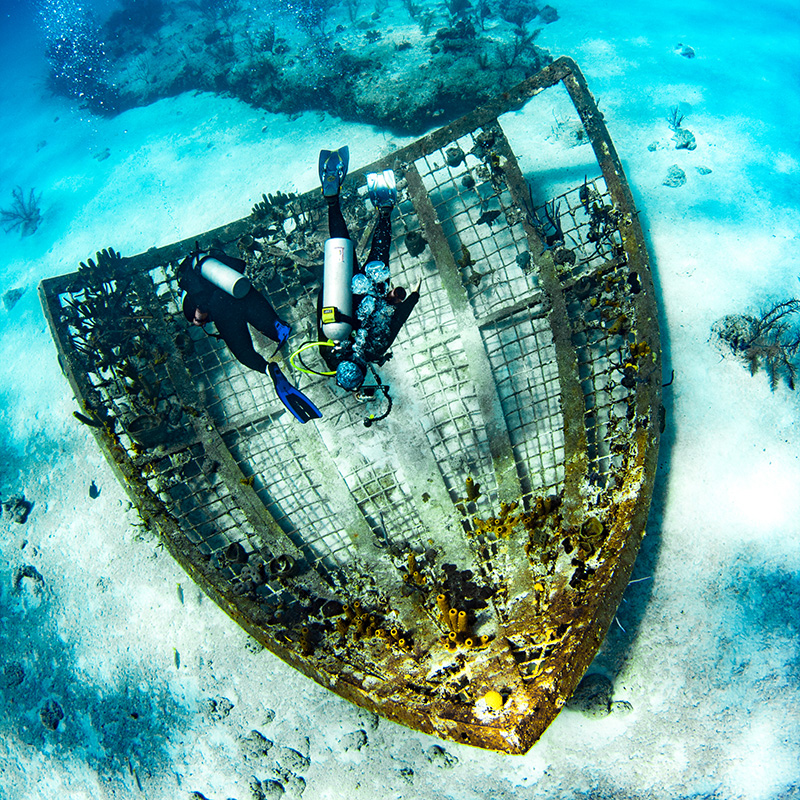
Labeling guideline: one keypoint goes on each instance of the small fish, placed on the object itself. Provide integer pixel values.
(94, 492)
(488, 217)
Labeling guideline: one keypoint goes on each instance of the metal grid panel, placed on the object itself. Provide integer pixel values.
(385, 501)
(210, 518)
(433, 315)
(523, 357)
(452, 420)
(123, 362)
(602, 358)
(199, 499)
(481, 223)
(290, 488)
(589, 223)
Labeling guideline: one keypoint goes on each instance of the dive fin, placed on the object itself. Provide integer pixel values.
(382, 189)
(302, 408)
(333, 169)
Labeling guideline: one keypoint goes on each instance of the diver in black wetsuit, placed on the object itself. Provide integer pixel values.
(204, 302)
(217, 291)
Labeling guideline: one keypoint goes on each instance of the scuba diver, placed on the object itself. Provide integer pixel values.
(217, 291)
(359, 314)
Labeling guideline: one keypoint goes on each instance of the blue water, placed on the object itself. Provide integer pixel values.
(159, 692)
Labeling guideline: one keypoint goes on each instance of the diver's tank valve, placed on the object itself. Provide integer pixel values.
(337, 292)
(223, 276)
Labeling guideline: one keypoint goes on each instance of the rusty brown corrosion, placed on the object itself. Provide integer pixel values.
(462, 592)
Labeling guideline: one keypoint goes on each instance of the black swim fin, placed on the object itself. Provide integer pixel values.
(302, 408)
(333, 169)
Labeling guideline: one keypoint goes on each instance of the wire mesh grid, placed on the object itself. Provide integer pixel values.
(452, 418)
(290, 488)
(602, 336)
(465, 363)
(231, 394)
(385, 501)
(480, 221)
(123, 363)
(589, 223)
(200, 500)
(523, 358)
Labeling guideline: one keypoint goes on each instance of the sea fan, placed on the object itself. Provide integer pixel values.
(25, 216)
(770, 342)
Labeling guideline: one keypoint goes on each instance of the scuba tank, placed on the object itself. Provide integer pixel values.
(336, 314)
(222, 276)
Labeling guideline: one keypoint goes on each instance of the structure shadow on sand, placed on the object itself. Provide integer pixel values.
(51, 706)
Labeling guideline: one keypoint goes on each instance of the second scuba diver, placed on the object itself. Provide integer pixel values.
(217, 291)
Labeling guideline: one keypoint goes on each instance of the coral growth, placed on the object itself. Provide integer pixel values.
(684, 139)
(675, 118)
(770, 342)
(24, 215)
(299, 55)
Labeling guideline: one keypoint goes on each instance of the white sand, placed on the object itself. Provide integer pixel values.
(710, 660)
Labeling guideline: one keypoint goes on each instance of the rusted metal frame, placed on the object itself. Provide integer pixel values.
(609, 162)
(572, 399)
(529, 302)
(546, 702)
(629, 226)
(601, 270)
(646, 434)
(151, 508)
(485, 115)
(49, 294)
(620, 549)
(505, 465)
(206, 433)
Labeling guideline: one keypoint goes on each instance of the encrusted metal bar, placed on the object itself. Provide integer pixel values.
(508, 485)
(572, 401)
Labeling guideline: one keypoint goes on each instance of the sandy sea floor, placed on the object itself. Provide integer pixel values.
(706, 650)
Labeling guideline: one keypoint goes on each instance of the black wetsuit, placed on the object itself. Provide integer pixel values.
(231, 316)
(381, 238)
